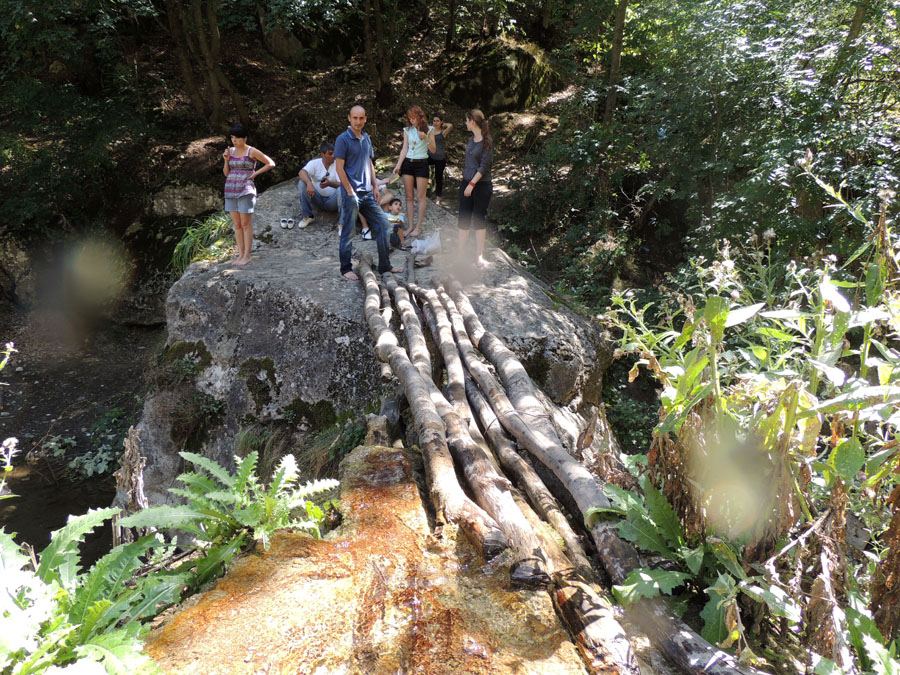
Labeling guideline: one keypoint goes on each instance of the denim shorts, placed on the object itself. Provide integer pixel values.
(244, 204)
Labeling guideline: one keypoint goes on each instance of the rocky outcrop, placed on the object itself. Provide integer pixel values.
(283, 340)
(18, 280)
(500, 75)
(185, 200)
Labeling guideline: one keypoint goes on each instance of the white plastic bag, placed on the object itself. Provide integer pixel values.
(431, 244)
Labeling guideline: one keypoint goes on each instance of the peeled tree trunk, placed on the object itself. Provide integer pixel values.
(450, 502)
(681, 644)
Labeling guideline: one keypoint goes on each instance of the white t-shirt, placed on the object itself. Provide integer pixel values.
(317, 171)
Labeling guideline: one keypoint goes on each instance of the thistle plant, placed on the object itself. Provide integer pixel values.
(780, 387)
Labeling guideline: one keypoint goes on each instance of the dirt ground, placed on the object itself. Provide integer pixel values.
(68, 380)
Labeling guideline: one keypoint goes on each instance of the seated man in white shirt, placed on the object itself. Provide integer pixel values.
(318, 184)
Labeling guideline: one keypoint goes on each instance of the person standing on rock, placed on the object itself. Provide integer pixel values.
(412, 165)
(318, 184)
(438, 158)
(240, 190)
(359, 193)
(476, 189)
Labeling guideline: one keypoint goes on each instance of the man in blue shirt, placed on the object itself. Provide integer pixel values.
(353, 157)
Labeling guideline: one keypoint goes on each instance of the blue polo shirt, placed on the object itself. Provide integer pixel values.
(356, 153)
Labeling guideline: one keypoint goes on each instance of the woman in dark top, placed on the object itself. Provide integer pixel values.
(438, 159)
(475, 189)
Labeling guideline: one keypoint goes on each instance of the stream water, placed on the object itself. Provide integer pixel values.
(74, 385)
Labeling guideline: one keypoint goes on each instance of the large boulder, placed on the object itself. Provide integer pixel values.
(283, 340)
(500, 75)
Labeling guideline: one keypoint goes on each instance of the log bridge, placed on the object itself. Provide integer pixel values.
(474, 426)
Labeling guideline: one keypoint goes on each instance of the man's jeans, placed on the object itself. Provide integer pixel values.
(317, 200)
(363, 202)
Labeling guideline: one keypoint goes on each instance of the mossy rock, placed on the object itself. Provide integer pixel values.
(196, 351)
(499, 76)
(259, 374)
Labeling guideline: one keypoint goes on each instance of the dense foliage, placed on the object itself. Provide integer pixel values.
(718, 102)
(779, 412)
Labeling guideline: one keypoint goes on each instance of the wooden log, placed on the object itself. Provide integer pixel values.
(491, 489)
(526, 477)
(584, 609)
(442, 334)
(681, 645)
(412, 328)
(450, 501)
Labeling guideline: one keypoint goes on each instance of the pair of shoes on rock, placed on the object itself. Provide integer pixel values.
(367, 234)
(304, 222)
(288, 224)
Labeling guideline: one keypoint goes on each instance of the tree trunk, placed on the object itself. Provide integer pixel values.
(615, 61)
(451, 25)
(378, 53)
(491, 489)
(528, 480)
(177, 24)
(195, 33)
(450, 502)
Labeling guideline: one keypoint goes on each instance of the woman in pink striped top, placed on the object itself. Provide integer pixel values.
(240, 191)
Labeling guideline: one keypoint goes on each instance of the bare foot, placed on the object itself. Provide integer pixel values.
(396, 270)
(414, 233)
(241, 262)
(481, 262)
(350, 276)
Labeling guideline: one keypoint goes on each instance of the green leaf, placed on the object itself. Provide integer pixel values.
(663, 515)
(823, 666)
(874, 283)
(212, 467)
(164, 517)
(694, 363)
(595, 514)
(742, 314)
(160, 589)
(693, 558)
(119, 652)
(720, 593)
(835, 375)
(857, 399)
(727, 557)
(686, 333)
(847, 459)
(716, 314)
(107, 579)
(876, 461)
(641, 531)
(789, 314)
(621, 500)
(245, 469)
(215, 559)
(777, 600)
(11, 557)
(713, 615)
(646, 583)
(60, 561)
(776, 334)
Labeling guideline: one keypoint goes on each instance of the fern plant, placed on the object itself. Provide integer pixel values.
(222, 507)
